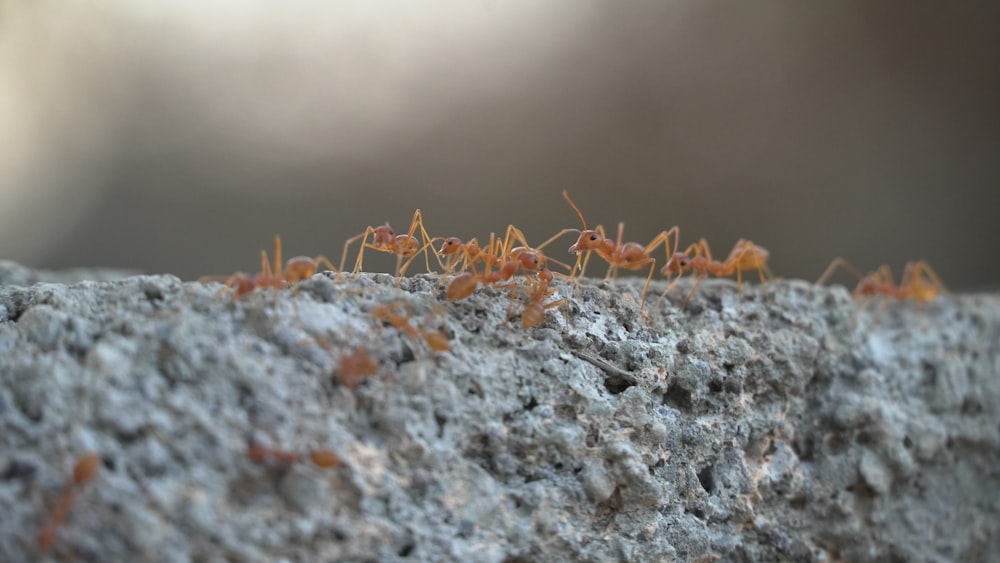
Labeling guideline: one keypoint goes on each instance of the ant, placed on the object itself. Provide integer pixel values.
(534, 311)
(436, 340)
(84, 471)
(744, 256)
(508, 258)
(627, 255)
(467, 254)
(324, 459)
(919, 282)
(461, 253)
(356, 367)
(296, 269)
(384, 239)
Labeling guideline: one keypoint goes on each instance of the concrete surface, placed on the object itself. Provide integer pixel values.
(786, 427)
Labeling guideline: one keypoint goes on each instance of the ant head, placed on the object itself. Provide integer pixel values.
(545, 275)
(451, 245)
(588, 240)
(677, 263)
(528, 260)
(383, 235)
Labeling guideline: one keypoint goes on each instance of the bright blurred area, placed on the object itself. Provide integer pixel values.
(181, 136)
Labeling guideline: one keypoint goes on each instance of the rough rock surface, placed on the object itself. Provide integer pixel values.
(789, 426)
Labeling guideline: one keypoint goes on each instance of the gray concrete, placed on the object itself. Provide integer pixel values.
(786, 427)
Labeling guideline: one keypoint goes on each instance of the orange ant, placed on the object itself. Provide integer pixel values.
(84, 471)
(466, 254)
(744, 256)
(627, 255)
(384, 239)
(534, 311)
(355, 367)
(295, 270)
(436, 340)
(324, 459)
(919, 282)
(461, 253)
(508, 259)
(464, 284)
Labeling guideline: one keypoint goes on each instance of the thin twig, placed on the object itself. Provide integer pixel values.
(606, 366)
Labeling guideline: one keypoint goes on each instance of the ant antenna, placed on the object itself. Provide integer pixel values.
(575, 208)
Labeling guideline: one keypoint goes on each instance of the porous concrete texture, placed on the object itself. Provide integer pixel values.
(789, 425)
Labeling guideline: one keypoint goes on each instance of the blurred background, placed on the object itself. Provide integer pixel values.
(181, 136)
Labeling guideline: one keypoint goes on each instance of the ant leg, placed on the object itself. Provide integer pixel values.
(419, 219)
(265, 266)
(838, 262)
(347, 244)
(556, 237)
(277, 256)
(884, 275)
(706, 251)
(402, 271)
(512, 235)
(612, 272)
(921, 267)
(229, 283)
(673, 283)
(399, 262)
(662, 238)
(645, 288)
(325, 262)
(765, 273)
(693, 289)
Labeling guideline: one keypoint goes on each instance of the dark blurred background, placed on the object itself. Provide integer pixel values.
(181, 136)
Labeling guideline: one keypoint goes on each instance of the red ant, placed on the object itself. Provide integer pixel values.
(464, 284)
(384, 239)
(509, 260)
(84, 471)
(534, 311)
(466, 254)
(436, 340)
(320, 458)
(296, 269)
(919, 282)
(356, 367)
(627, 255)
(744, 256)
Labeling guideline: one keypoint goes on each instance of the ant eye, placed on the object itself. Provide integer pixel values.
(593, 237)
